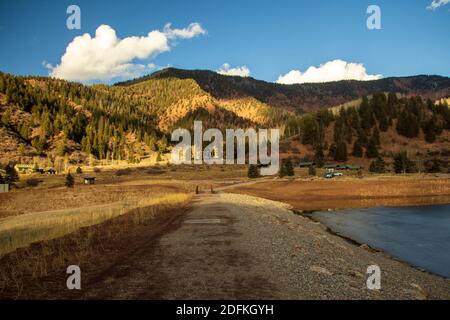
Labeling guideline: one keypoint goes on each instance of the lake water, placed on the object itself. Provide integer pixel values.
(417, 235)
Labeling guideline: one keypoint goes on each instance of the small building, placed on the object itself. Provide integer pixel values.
(354, 167)
(4, 187)
(348, 167)
(89, 180)
(24, 168)
(306, 164)
(330, 167)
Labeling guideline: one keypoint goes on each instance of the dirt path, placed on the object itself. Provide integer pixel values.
(233, 246)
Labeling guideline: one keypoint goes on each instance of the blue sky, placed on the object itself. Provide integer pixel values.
(270, 38)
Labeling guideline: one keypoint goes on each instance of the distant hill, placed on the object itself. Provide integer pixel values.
(304, 97)
(63, 122)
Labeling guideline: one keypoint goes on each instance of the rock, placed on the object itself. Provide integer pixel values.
(321, 270)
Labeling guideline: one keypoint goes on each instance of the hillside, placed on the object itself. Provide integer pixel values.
(304, 97)
(56, 122)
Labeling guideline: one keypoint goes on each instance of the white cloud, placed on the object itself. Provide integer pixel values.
(331, 71)
(437, 3)
(238, 71)
(105, 56)
(194, 29)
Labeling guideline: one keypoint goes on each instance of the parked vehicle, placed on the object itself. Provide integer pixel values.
(331, 175)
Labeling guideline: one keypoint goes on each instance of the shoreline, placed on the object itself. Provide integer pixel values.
(366, 246)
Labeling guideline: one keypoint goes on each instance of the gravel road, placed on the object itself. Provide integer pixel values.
(232, 246)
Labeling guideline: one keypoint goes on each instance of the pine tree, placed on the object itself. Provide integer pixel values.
(376, 136)
(357, 149)
(372, 150)
(282, 171)
(384, 123)
(319, 157)
(378, 165)
(289, 168)
(340, 153)
(402, 164)
(253, 171)
(11, 174)
(70, 181)
(434, 166)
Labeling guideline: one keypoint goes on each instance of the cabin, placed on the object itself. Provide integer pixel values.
(24, 168)
(89, 180)
(4, 187)
(306, 164)
(330, 168)
(349, 167)
(354, 167)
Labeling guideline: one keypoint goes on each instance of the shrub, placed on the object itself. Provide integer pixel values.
(32, 182)
(79, 171)
(123, 172)
(312, 171)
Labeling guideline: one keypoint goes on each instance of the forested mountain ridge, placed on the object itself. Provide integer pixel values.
(61, 121)
(304, 97)
(54, 118)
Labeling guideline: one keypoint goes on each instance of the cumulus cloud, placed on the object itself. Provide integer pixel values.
(331, 71)
(238, 71)
(105, 56)
(437, 3)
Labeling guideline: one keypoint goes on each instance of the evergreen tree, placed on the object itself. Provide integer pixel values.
(402, 164)
(434, 166)
(357, 149)
(319, 157)
(376, 136)
(384, 122)
(340, 153)
(253, 171)
(378, 165)
(282, 171)
(289, 168)
(11, 174)
(79, 171)
(372, 150)
(70, 181)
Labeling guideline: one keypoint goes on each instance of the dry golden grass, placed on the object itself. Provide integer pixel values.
(320, 194)
(20, 231)
(40, 259)
(29, 200)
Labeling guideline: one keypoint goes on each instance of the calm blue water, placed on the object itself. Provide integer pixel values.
(417, 235)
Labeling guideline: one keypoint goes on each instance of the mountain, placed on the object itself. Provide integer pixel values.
(58, 122)
(303, 97)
